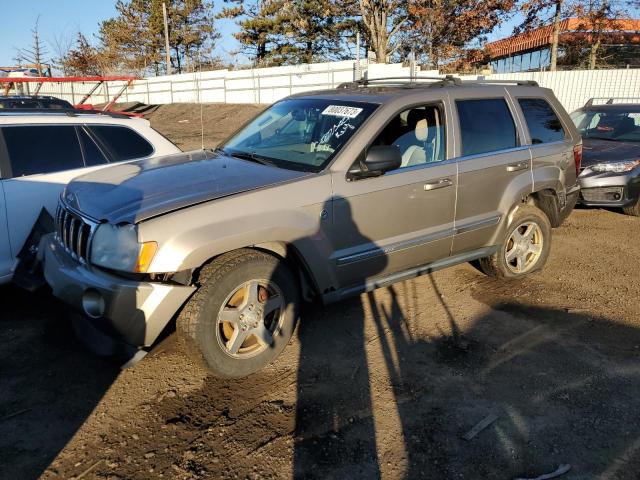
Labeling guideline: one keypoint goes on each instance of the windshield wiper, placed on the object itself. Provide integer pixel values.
(251, 156)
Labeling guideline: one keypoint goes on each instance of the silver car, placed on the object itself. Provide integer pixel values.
(610, 174)
(323, 196)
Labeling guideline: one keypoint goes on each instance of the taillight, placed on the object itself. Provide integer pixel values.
(577, 157)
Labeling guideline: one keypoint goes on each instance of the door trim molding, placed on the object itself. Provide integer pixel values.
(374, 283)
(377, 251)
(477, 225)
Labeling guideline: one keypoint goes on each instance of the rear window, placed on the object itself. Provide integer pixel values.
(486, 125)
(42, 149)
(92, 153)
(122, 142)
(544, 125)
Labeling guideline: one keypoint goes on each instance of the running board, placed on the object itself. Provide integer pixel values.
(374, 283)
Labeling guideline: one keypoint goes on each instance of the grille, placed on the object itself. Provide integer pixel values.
(602, 194)
(73, 233)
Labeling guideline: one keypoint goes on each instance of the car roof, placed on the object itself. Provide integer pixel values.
(381, 95)
(383, 90)
(62, 116)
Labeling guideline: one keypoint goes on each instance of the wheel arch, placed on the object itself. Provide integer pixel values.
(287, 253)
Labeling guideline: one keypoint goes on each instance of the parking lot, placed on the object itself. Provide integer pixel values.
(386, 384)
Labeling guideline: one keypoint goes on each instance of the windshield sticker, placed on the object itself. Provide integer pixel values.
(342, 111)
(338, 130)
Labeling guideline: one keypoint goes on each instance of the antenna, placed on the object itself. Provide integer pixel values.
(199, 73)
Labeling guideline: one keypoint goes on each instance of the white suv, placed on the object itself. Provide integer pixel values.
(41, 151)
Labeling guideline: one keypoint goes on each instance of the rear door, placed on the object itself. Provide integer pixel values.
(42, 160)
(492, 159)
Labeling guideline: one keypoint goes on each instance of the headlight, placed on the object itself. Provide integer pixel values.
(117, 248)
(616, 167)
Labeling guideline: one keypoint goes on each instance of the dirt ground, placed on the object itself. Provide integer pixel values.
(384, 385)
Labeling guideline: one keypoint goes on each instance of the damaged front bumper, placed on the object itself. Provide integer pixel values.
(129, 311)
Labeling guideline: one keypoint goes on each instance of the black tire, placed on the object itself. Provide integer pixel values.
(199, 323)
(633, 210)
(497, 265)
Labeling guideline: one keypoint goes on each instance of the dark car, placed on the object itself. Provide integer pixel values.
(34, 101)
(610, 175)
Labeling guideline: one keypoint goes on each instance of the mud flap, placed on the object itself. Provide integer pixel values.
(28, 273)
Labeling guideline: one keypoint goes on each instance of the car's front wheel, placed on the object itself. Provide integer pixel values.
(244, 313)
(525, 247)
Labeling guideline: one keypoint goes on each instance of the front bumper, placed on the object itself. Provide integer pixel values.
(130, 311)
(609, 189)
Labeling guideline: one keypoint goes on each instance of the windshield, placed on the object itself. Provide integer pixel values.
(300, 134)
(614, 125)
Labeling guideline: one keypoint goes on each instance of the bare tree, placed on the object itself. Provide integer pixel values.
(35, 54)
(61, 44)
(535, 13)
(383, 20)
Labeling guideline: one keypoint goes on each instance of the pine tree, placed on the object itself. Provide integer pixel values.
(134, 39)
(84, 59)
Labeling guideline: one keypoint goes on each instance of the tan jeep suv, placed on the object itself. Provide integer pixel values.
(323, 196)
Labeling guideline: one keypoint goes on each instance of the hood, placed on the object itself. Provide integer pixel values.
(606, 151)
(136, 191)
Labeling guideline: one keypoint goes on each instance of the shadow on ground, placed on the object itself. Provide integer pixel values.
(48, 383)
(374, 395)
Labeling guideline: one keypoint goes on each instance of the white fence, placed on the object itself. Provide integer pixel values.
(266, 85)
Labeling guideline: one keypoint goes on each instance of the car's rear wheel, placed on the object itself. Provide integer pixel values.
(243, 314)
(633, 209)
(525, 248)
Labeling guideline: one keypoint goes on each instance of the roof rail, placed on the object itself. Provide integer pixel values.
(409, 82)
(609, 100)
(528, 83)
(431, 81)
(69, 112)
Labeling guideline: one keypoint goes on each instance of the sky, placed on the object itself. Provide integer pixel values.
(64, 18)
(67, 17)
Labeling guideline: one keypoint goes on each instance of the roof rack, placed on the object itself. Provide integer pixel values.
(69, 112)
(408, 82)
(609, 100)
(527, 83)
(412, 82)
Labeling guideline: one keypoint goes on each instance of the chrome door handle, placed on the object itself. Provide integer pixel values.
(443, 182)
(514, 167)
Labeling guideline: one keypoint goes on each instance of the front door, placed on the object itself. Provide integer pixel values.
(404, 218)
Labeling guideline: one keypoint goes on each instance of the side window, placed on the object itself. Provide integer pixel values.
(544, 125)
(42, 149)
(92, 153)
(124, 143)
(486, 125)
(419, 133)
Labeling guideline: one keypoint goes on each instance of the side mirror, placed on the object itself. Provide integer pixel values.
(380, 159)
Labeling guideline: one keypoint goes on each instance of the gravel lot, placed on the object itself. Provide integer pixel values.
(384, 385)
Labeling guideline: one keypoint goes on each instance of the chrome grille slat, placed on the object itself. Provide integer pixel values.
(74, 233)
